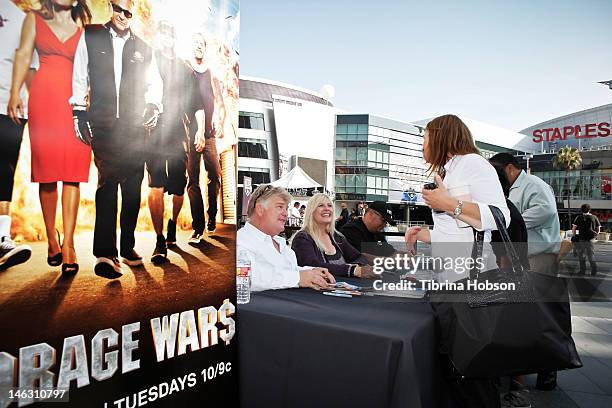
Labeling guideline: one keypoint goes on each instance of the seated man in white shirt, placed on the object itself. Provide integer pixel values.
(273, 262)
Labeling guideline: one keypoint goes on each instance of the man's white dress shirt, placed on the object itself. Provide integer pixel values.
(80, 74)
(270, 269)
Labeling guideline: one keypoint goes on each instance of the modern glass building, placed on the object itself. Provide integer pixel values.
(377, 158)
(355, 157)
(280, 126)
(590, 132)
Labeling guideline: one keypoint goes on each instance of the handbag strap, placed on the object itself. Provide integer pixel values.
(477, 248)
(515, 260)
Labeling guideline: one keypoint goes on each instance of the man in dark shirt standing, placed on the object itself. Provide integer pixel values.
(343, 218)
(166, 160)
(588, 227)
(203, 143)
(365, 233)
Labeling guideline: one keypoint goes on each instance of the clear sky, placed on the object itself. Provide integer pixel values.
(510, 63)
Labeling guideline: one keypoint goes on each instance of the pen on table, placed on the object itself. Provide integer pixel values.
(344, 295)
(347, 292)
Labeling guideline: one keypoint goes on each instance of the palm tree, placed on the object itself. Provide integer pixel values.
(567, 159)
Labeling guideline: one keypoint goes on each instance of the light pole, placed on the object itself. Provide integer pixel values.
(527, 157)
(606, 83)
(411, 201)
(409, 196)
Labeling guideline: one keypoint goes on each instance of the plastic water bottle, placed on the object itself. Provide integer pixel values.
(243, 278)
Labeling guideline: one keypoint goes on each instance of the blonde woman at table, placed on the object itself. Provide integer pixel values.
(319, 244)
(273, 262)
(465, 185)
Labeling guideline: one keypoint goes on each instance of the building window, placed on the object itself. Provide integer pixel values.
(257, 177)
(254, 148)
(251, 120)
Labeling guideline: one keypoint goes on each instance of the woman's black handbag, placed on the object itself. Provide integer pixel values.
(490, 333)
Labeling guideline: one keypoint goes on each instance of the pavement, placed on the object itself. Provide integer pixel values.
(591, 385)
(38, 303)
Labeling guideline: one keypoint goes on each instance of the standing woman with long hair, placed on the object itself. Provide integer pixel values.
(465, 185)
(57, 155)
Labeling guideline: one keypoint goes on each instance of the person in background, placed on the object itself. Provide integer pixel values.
(11, 132)
(360, 211)
(302, 210)
(449, 149)
(116, 99)
(587, 227)
(273, 262)
(319, 244)
(366, 233)
(295, 219)
(516, 396)
(343, 218)
(57, 155)
(536, 201)
(166, 160)
(517, 229)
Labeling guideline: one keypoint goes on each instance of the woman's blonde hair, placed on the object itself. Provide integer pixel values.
(310, 226)
(448, 136)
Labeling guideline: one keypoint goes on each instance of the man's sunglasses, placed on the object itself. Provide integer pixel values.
(119, 10)
(256, 196)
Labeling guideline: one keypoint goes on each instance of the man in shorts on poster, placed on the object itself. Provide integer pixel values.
(167, 145)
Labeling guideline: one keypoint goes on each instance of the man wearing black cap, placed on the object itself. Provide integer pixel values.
(365, 233)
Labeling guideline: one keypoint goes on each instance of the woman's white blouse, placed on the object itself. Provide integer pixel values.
(448, 240)
(478, 174)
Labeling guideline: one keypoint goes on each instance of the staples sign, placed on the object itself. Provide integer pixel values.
(587, 131)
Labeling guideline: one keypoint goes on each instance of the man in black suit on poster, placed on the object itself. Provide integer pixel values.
(116, 72)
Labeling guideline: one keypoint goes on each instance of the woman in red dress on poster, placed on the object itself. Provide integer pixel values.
(57, 154)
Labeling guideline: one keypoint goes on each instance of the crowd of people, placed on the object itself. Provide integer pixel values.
(466, 187)
(99, 88)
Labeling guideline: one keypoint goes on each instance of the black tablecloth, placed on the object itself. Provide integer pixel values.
(299, 348)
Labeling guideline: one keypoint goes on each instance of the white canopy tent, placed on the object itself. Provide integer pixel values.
(296, 179)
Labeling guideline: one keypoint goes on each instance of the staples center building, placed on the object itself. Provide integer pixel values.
(589, 131)
(364, 157)
(356, 157)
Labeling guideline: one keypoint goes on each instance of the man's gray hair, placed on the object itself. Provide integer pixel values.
(263, 193)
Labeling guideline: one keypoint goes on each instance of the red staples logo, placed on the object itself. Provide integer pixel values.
(588, 131)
